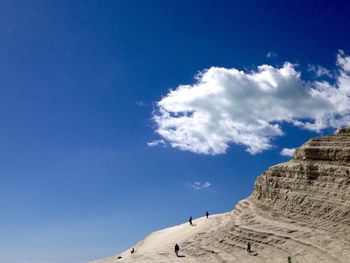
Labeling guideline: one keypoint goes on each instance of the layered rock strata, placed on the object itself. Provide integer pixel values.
(299, 209)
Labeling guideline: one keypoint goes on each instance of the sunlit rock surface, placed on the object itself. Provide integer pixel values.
(299, 209)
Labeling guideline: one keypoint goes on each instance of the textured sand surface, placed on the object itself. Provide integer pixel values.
(300, 209)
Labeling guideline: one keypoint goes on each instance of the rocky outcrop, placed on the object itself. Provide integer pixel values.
(314, 185)
(298, 209)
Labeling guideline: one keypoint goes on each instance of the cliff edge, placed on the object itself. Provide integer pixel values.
(298, 209)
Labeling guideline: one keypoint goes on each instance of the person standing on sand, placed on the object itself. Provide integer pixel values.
(207, 214)
(177, 248)
(190, 221)
(248, 247)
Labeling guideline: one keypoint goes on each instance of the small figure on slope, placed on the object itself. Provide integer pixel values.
(177, 248)
(190, 221)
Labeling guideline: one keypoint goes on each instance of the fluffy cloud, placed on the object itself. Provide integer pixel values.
(227, 106)
(199, 185)
(287, 152)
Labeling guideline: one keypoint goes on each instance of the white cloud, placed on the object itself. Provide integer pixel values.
(287, 152)
(199, 185)
(320, 71)
(156, 143)
(343, 61)
(228, 106)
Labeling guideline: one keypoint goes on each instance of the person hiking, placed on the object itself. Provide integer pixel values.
(190, 221)
(132, 251)
(177, 248)
(248, 247)
(207, 214)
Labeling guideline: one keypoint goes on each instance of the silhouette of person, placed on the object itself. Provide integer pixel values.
(190, 221)
(207, 214)
(132, 250)
(248, 247)
(289, 260)
(177, 248)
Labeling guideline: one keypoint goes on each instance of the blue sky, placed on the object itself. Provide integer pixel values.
(81, 83)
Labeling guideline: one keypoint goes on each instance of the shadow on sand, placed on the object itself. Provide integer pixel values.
(181, 256)
(253, 253)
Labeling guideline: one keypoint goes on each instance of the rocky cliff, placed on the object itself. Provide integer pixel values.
(299, 209)
(314, 185)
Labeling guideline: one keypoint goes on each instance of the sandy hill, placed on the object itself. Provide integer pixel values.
(299, 209)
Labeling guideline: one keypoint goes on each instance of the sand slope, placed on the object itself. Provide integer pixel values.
(299, 209)
(161, 243)
(223, 238)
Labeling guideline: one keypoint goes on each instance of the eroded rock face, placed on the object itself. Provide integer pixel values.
(315, 184)
(299, 209)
